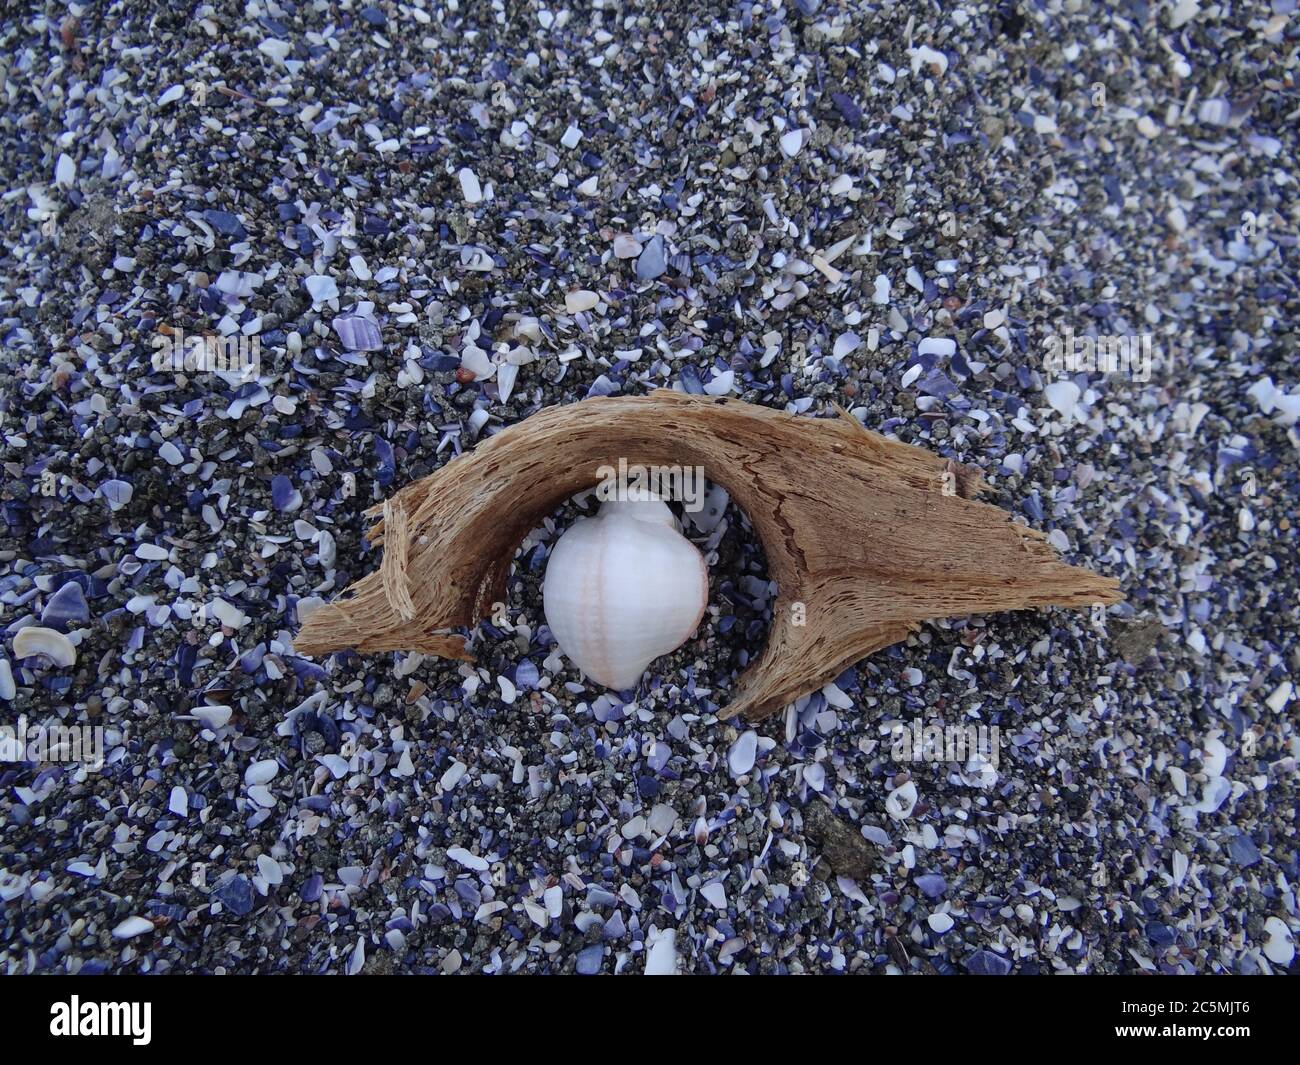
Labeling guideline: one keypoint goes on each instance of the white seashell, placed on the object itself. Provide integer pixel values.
(623, 588)
(36, 640)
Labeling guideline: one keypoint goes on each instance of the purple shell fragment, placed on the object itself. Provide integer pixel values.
(357, 332)
(224, 222)
(236, 895)
(526, 674)
(66, 608)
(653, 261)
(1242, 849)
(932, 885)
(282, 492)
(848, 108)
(986, 963)
(116, 493)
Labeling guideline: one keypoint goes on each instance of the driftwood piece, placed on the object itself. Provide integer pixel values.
(865, 537)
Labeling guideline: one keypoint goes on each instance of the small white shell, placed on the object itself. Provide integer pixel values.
(36, 640)
(623, 588)
(901, 801)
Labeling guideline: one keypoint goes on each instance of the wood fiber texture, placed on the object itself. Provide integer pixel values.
(870, 535)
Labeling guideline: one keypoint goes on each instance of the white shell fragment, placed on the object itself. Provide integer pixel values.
(741, 756)
(925, 56)
(626, 246)
(661, 953)
(469, 185)
(262, 772)
(132, 927)
(1063, 397)
(36, 640)
(214, 717)
(1279, 947)
(901, 801)
(582, 299)
(623, 588)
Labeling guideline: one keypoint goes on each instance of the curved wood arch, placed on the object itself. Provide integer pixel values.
(872, 536)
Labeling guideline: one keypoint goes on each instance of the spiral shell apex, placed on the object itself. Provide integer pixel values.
(623, 588)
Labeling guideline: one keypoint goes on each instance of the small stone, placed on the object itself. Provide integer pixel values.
(1214, 111)
(715, 894)
(1242, 850)
(987, 963)
(843, 846)
(1281, 695)
(661, 953)
(357, 333)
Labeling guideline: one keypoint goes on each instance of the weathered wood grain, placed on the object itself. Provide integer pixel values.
(871, 536)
